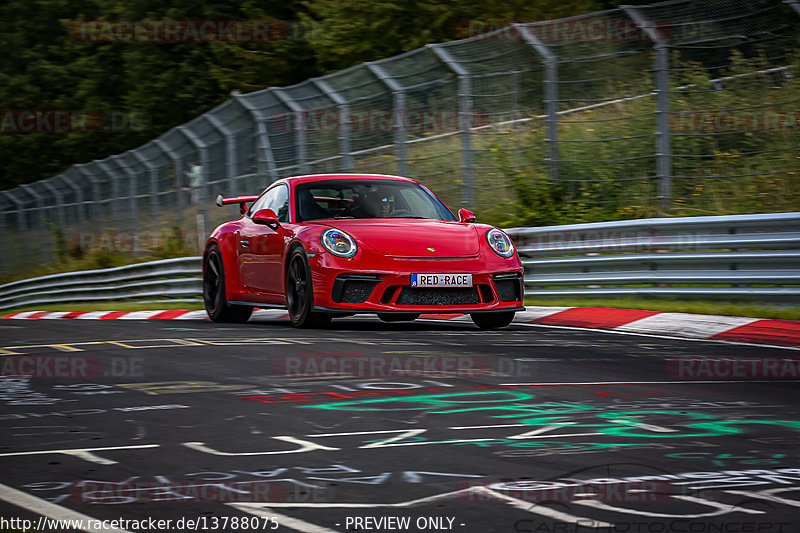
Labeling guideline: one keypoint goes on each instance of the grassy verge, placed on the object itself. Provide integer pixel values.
(676, 306)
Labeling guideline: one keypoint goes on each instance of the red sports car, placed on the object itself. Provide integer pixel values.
(342, 244)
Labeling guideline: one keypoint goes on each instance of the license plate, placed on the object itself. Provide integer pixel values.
(441, 280)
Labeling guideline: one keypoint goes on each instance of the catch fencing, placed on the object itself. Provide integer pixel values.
(681, 108)
(752, 258)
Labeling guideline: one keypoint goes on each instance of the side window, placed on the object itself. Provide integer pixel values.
(276, 199)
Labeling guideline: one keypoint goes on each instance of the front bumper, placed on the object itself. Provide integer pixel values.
(340, 287)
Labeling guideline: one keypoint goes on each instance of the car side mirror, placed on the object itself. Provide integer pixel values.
(465, 215)
(266, 217)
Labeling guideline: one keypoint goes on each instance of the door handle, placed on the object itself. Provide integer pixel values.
(244, 242)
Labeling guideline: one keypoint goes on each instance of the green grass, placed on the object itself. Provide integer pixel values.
(676, 306)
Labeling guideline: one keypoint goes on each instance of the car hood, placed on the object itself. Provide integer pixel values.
(413, 237)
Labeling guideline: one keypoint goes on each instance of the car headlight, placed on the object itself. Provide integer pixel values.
(500, 243)
(339, 243)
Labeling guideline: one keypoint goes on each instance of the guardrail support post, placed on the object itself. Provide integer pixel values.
(465, 122)
(795, 4)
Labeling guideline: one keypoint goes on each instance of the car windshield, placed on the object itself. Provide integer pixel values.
(338, 199)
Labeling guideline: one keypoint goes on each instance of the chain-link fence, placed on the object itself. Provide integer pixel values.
(686, 107)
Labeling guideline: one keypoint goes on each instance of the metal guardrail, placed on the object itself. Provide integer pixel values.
(730, 257)
(174, 278)
(706, 257)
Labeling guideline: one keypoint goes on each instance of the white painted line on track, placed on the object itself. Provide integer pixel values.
(51, 510)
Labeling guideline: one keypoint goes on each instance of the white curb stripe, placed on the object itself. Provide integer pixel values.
(54, 315)
(685, 325)
(26, 314)
(92, 315)
(191, 315)
(139, 315)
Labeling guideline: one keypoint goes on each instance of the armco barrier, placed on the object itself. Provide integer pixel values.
(755, 257)
(174, 278)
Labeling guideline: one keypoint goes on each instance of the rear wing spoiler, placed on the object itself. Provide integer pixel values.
(241, 200)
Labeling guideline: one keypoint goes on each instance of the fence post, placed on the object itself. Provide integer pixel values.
(201, 147)
(266, 160)
(231, 166)
(79, 202)
(132, 191)
(95, 210)
(399, 112)
(465, 122)
(344, 122)
(300, 134)
(40, 207)
(20, 213)
(153, 169)
(177, 164)
(550, 96)
(795, 4)
(59, 200)
(664, 148)
(103, 164)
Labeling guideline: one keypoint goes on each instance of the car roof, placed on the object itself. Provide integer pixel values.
(353, 176)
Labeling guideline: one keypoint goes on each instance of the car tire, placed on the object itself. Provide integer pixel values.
(493, 320)
(398, 317)
(300, 293)
(214, 290)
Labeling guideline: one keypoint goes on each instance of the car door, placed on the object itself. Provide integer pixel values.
(260, 248)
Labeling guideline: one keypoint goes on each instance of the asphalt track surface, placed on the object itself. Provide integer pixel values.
(428, 426)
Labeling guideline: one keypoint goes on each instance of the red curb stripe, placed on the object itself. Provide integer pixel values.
(168, 315)
(114, 314)
(74, 314)
(12, 315)
(39, 314)
(779, 332)
(595, 317)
